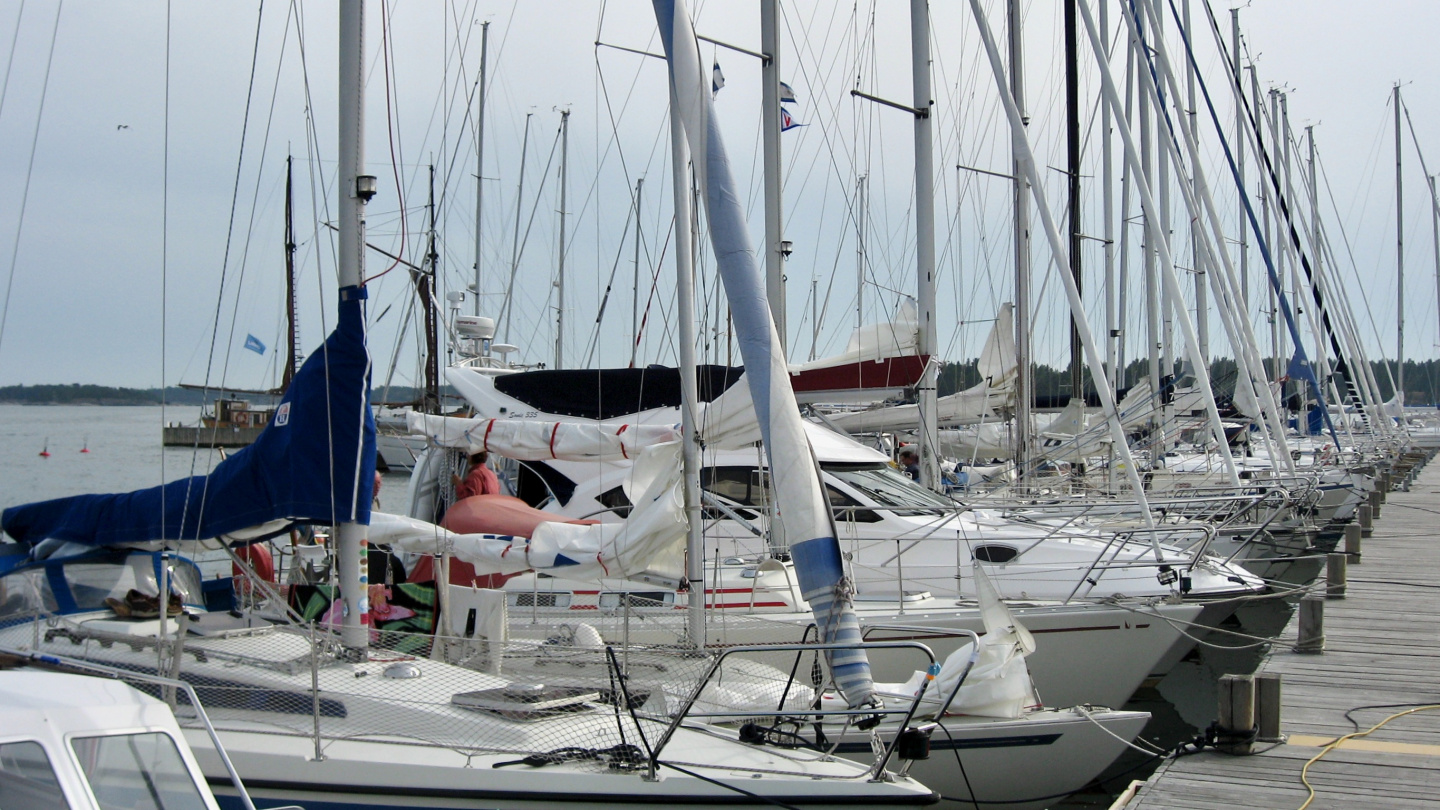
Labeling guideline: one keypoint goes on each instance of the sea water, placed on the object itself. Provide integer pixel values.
(122, 452)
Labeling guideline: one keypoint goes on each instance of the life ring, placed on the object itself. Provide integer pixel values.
(258, 556)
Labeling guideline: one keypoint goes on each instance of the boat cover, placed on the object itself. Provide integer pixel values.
(314, 463)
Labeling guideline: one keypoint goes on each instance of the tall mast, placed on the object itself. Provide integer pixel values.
(770, 128)
(351, 537)
(1024, 388)
(1399, 262)
(292, 348)
(1240, 156)
(1072, 167)
(635, 285)
(925, 239)
(480, 152)
(1435, 221)
(560, 268)
(863, 212)
(1107, 171)
(425, 288)
(689, 394)
(1148, 247)
(515, 239)
(1197, 261)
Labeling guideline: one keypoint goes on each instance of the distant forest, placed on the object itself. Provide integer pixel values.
(77, 394)
(1422, 386)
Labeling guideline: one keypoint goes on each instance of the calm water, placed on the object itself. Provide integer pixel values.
(125, 452)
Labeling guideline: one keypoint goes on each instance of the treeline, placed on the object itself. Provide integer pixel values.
(78, 394)
(1422, 379)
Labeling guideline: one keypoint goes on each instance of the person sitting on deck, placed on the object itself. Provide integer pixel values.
(480, 480)
(910, 461)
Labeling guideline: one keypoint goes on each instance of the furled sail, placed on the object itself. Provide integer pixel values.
(314, 463)
(531, 440)
(803, 511)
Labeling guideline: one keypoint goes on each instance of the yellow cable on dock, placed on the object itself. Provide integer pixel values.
(1305, 771)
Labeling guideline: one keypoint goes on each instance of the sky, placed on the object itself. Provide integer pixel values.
(139, 245)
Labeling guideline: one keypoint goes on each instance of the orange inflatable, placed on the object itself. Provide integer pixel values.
(486, 514)
(499, 514)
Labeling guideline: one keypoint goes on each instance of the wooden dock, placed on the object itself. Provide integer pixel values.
(1382, 646)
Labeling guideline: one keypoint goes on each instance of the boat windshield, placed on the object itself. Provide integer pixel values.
(142, 771)
(92, 582)
(887, 487)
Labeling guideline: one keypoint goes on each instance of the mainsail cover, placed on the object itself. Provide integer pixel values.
(314, 463)
(804, 514)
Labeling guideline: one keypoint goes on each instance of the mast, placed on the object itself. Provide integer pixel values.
(292, 337)
(1147, 245)
(1399, 262)
(515, 239)
(862, 183)
(1107, 193)
(425, 288)
(1072, 167)
(351, 537)
(689, 394)
(1435, 222)
(1197, 262)
(1024, 382)
(480, 153)
(635, 285)
(770, 128)
(560, 269)
(925, 240)
(1240, 156)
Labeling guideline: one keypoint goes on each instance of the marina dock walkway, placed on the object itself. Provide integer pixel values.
(1382, 646)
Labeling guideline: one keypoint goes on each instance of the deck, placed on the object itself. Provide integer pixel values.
(1382, 647)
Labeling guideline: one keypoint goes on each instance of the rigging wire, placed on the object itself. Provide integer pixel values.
(29, 169)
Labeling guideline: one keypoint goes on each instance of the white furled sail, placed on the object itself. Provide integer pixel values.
(530, 440)
(803, 511)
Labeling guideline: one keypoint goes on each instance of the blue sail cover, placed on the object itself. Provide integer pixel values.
(314, 463)
(803, 511)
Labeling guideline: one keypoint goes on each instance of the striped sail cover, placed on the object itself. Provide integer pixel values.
(804, 512)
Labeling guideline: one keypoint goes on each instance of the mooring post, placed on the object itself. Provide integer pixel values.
(1267, 707)
(1335, 574)
(1377, 497)
(1237, 713)
(1312, 626)
(1352, 542)
(1365, 516)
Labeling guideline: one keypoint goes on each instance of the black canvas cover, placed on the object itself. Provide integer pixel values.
(610, 392)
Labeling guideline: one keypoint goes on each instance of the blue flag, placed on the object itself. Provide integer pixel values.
(253, 344)
(717, 79)
(786, 94)
(787, 122)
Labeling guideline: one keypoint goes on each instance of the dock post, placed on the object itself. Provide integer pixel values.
(1352, 542)
(1335, 575)
(1267, 707)
(1312, 626)
(1377, 497)
(1365, 516)
(1237, 713)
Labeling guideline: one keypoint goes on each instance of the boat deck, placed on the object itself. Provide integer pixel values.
(1382, 646)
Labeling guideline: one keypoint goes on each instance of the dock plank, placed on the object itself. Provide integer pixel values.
(1382, 647)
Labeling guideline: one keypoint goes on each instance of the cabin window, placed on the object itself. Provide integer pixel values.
(995, 554)
(544, 599)
(638, 599)
(23, 594)
(27, 778)
(847, 508)
(886, 487)
(137, 772)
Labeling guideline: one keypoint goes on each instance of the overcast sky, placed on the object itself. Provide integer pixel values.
(97, 254)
